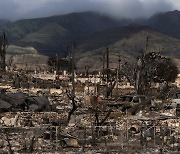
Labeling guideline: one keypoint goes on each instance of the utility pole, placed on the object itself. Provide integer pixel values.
(147, 41)
(26, 67)
(119, 63)
(117, 81)
(56, 63)
(107, 58)
(3, 47)
(86, 71)
(57, 66)
(73, 81)
(103, 64)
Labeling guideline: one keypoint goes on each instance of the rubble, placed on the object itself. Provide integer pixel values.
(35, 120)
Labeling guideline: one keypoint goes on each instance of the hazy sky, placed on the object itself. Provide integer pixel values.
(17, 9)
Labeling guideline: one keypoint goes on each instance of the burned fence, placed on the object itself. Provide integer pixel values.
(47, 132)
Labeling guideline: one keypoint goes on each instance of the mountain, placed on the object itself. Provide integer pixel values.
(127, 41)
(93, 33)
(109, 36)
(51, 35)
(3, 21)
(167, 23)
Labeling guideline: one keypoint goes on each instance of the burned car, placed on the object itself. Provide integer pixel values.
(127, 102)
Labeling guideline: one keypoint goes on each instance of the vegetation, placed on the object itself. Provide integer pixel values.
(57, 63)
(152, 67)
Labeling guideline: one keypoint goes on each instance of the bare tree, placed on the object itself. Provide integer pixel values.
(9, 144)
(74, 106)
(3, 47)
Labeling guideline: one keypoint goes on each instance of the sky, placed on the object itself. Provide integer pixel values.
(22, 9)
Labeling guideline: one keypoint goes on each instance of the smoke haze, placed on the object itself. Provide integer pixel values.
(18, 9)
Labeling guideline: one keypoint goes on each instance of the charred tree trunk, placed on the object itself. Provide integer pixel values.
(74, 106)
(97, 114)
(72, 95)
(3, 46)
(107, 57)
(9, 144)
(110, 89)
(31, 148)
(105, 118)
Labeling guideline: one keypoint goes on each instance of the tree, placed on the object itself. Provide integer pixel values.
(166, 71)
(152, 67)
(55, 63)
(127, 71)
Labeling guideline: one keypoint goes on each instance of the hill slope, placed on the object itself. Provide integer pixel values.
(93, 33)
(25, 58)
(168, 23)
(128, 41)
(3, 21)
(53, 34)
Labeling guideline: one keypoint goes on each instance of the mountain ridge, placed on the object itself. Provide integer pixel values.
(93, 32)
(167, 23)
(78, 26)
(133, 41)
